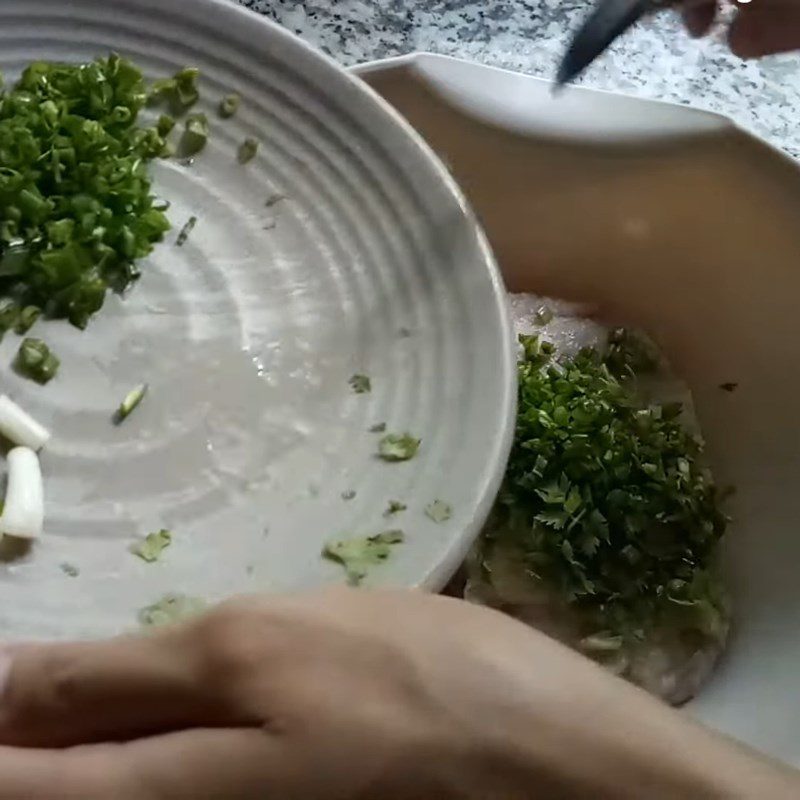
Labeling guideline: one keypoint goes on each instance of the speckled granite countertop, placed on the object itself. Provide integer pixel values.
(656, 60)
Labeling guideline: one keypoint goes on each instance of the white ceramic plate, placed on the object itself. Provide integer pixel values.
(249, 333)
(679, 221)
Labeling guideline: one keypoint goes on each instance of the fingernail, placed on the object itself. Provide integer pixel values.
(5, 668)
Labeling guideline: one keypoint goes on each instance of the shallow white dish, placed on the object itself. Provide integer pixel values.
(370, 262)
(679, 221)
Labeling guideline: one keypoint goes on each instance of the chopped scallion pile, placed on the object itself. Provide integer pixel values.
(77, 209)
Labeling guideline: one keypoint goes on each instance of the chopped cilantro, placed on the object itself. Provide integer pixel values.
(398, 447)
(169, 609)
(77, 208)
(605, 494)
(357, 555)
(394, 507)
(152, 546)
(229, 105)
(185, 231)
(439, 511)
(360, 384)
(247, 151)
(130, 401)
(36, 361)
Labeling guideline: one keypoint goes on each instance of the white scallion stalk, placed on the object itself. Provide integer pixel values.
(23, 510)
(20, 427)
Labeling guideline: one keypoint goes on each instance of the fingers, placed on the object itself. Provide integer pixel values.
(235, 764)
(63, 774)
(699, 16)
(768, 26)
(201, 764)
(66, 694)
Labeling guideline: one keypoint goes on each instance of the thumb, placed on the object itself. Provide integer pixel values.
(67, 694)
(761, 28)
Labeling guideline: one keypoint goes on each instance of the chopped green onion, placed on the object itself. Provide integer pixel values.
(34, 360)
(19, 427)
(186, 92)
(357, 555)
(165, 125)
(195, 135)
(185, 231)
(229, 105)
(152, 546)
(439, 511)
(14, 260)
(398, 447)
(129, 403)
(27, 319)
(247, 150)
(544, 315)
(179, 92)
(378, 427)
(23, 505)
(77, 208)
(360, 384)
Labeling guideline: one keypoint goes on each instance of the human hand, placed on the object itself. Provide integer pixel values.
(759, 28)
(348, 695)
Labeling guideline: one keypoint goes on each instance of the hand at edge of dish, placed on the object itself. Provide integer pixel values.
(346, 694)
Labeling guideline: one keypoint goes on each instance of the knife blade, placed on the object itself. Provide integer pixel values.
(607, 21)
